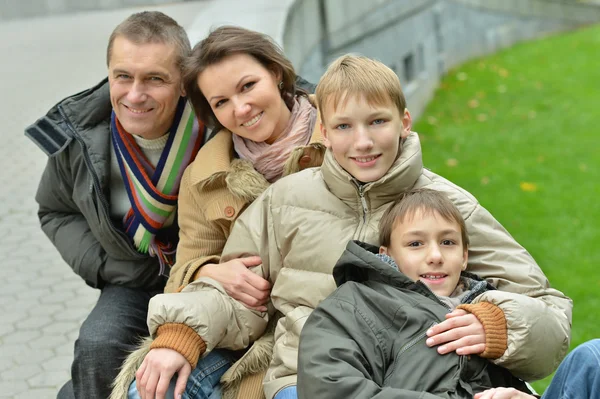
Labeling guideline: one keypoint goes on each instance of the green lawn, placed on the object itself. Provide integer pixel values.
(519, 130)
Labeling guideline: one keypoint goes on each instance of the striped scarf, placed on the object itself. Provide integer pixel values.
(153, 191)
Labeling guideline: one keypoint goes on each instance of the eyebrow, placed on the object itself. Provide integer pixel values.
(370, 116)
(239, 83)
(422, 232)
(151, 73)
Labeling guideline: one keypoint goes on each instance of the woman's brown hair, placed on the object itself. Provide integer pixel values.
(229, 40)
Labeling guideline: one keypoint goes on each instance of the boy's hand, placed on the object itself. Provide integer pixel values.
(461, 332)
(503, 393)
(153, 377)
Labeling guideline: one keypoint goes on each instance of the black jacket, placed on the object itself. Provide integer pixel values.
(367, 340)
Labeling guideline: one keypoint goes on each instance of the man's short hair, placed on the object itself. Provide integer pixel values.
(355, 75)
(426, 201)
(152, 27)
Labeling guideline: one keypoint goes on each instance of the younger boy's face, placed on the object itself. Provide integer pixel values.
(364, 138)
(428, 248)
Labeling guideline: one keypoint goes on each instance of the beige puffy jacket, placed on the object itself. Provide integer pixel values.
(300, 227)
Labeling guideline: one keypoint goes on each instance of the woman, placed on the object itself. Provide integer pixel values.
(242, 86)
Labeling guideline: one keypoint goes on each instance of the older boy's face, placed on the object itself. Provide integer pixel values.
(429, 248)
(364, 138)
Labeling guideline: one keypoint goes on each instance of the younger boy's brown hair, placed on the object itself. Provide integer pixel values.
(425, 200)
(355, 75)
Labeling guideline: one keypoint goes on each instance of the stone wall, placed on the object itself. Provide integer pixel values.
(419, 40)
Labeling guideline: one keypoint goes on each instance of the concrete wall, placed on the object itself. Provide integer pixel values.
(16, 9)
(419, 40)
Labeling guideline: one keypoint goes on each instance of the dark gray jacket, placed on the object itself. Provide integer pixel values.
(367, 340)
(73, 193)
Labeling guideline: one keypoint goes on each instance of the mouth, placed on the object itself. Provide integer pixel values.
(138, 111)
(433, 277)
(253, 121)
(366, 160)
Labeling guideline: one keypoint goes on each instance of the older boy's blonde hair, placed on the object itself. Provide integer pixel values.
(352, 75)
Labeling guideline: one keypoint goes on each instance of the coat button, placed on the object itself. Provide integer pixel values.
(229, 211)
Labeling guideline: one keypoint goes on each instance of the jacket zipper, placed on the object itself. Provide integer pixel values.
(96, 181)
(363, 201)
(433, 296)
(414, 341)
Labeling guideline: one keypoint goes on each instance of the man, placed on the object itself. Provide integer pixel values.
(107, 198)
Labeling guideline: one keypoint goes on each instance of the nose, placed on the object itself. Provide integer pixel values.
(434, 256)
(137, 92)
(362, 139)
(241, 108)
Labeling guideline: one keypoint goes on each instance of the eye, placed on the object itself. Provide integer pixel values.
(156, 79)
(342, 126)
(123, 76)
(414, 244)
(220, 102)
(378, 121)
(248, 85)
(448, 242)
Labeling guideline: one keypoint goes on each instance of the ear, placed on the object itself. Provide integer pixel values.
(406, 124)
(277, 72)
(465, 258)
(383, 250)
(326, 141)
(182, 89)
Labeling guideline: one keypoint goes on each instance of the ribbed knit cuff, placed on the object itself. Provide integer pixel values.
(182, 339)
(494, 324)
(251, 386)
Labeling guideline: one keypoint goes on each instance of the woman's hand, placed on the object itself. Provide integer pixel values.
(461, 332)
(154, 375)
(240, 283)
(503, 393)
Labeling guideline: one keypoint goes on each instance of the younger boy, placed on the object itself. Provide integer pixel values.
(300, 226)
(368, 338)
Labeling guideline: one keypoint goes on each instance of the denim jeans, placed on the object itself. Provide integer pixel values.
(287, 393)
(203, 382)
(109, 333)
(578, 376)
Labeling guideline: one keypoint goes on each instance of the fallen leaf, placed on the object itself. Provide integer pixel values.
(451, 162)
(432, 120)
(503, 72)
(485, 181)
(473, 103)
(540, 158)
(528, 187)
(480, 94)
(482, 117)
(461, 76)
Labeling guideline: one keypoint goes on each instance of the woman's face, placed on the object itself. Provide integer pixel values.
(245, 97)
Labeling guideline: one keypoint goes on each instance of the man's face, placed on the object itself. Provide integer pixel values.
(364, 138)
(428, 248)
(145, 86)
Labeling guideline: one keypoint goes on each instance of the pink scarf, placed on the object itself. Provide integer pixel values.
(268, 159)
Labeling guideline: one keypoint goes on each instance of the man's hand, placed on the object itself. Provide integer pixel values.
(154, 375)
(240, 283)
(461, 332)
(503, 393)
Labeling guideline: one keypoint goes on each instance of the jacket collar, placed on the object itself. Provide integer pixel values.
(401, 177)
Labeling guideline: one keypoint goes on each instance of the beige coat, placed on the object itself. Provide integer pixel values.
(300, 227)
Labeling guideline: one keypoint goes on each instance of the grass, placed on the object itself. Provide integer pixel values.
(518, 129)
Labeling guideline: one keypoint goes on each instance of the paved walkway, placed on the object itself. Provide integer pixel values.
(42, 302)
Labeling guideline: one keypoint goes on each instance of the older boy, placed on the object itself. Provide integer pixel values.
(368, 338)
(300, 226)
